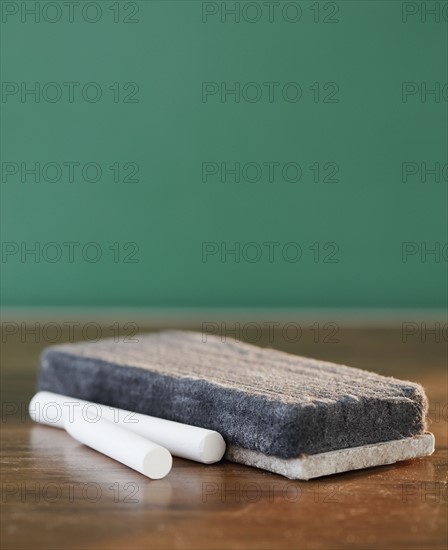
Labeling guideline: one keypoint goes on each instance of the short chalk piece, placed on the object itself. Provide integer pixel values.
(126, 447)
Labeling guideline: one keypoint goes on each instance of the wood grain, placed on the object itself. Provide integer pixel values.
(58, 494)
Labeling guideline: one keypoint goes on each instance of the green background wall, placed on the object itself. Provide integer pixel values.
(361, 123)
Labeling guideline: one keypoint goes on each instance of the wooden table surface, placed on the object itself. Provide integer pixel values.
(57, 493)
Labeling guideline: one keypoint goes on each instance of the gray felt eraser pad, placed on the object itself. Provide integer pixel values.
(259, 399)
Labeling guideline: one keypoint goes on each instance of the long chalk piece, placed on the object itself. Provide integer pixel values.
(191, 442)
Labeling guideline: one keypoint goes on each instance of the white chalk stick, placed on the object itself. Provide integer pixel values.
(191, 442)
(118, 443)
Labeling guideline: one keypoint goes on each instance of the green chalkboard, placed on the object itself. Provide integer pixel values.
(188, 153)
